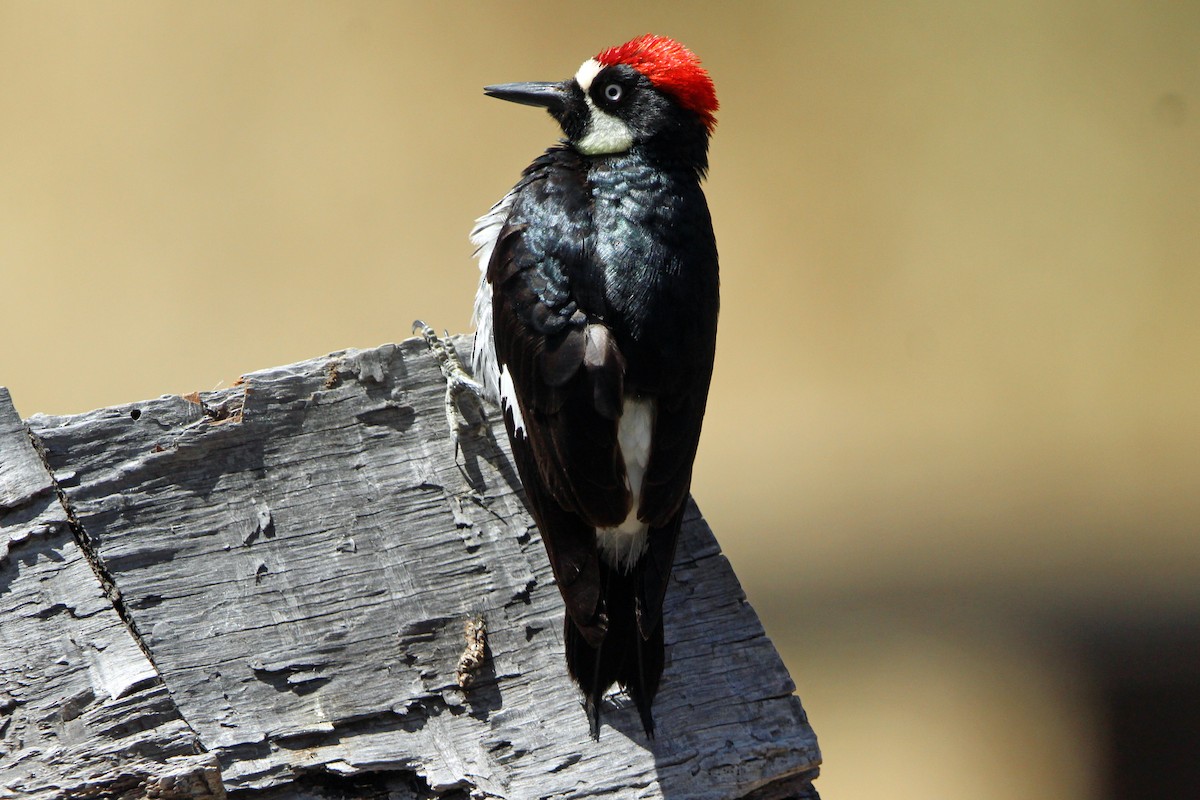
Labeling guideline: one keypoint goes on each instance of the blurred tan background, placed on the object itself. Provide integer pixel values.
(954, 441)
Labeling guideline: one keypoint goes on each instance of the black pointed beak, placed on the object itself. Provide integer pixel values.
(550, 96)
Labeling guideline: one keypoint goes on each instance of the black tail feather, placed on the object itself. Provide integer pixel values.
(584, 664)
(623, 656)
(643, 673)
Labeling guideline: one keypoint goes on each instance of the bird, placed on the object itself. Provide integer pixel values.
(596, 329)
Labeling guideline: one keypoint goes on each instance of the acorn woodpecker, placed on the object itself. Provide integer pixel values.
(596, 324)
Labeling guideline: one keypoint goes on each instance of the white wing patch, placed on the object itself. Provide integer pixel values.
(508, 401)
(623, 545)
(483, 354)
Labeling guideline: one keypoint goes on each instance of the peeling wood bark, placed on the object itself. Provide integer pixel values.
(292, 587)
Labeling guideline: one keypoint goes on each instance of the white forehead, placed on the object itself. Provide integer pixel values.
(587, 73)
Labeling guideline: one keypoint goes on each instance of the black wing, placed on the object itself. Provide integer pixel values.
(576, 336)
(567, 373)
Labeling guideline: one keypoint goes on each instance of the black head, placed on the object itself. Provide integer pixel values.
(650, 93)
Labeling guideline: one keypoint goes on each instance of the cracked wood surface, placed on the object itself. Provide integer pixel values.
(292, 587)
(80, 704)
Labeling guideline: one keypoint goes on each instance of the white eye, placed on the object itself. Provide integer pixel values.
(613, 92)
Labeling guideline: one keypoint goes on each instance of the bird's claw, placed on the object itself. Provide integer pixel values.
(464, 395)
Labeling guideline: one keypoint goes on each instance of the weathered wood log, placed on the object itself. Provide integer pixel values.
(294, 587)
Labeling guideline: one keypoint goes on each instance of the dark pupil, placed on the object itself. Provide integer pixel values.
(612, 92)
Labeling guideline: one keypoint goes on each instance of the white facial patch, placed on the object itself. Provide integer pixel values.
(605, 133)
(587, 73)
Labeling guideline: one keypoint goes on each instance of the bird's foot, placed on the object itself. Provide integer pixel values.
(464, 395)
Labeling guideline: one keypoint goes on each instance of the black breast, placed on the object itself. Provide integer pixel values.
(655, 245)
(623, 241)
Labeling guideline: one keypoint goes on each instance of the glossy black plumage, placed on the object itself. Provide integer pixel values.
(604, 290)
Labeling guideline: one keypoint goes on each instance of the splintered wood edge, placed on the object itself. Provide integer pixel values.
(471, 656)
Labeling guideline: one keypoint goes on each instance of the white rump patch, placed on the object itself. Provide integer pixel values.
(635, 431)
(623, 545)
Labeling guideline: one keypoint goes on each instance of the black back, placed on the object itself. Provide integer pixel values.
(605, 285)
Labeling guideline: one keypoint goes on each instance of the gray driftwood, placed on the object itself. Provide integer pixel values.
(294, 588)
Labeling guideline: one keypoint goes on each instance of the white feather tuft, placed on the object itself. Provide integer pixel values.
(483, 354)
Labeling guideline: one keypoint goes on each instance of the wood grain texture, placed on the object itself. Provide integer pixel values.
(309, 567)
(82, 710)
